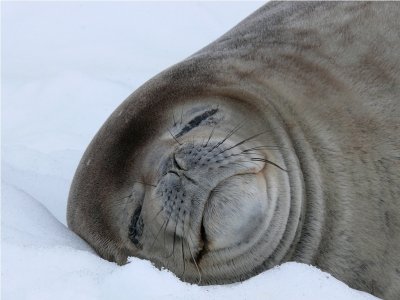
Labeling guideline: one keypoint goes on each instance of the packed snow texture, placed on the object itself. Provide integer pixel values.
(66, 67)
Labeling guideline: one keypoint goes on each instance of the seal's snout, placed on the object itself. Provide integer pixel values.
(203, 189)
(198, 156)
(214, 156)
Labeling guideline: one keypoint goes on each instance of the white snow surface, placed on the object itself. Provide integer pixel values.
(65, 68)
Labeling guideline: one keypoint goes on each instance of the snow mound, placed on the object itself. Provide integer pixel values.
(42, 259)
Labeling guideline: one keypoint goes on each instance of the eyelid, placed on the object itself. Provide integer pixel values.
(196, 121)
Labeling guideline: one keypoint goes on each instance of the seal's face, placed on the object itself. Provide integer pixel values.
(198, 202)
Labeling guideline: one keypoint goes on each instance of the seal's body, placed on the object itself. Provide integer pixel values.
(279, 141)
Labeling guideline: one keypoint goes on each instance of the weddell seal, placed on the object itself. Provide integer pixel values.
(280, 141)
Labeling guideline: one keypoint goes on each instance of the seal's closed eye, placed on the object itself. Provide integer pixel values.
(196, 121)
(136, 226)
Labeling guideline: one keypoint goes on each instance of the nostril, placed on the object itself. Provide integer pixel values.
(178, 163)
(173, 172)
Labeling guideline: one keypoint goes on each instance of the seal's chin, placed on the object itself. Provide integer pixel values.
(234, 211)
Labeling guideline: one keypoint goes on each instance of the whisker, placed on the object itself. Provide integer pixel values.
(156, 215)
(173, 116)
(244, 141)
(129, 195)
(194, 260)
(212, 132)
(173, 244)
(238, 163)
(183, 249)
(269, 162)
(181, 115)
(151, 247)
(230, 133)
(119, 199)
(144, 183)
(176, 140)
(263, 147)
(165, 229)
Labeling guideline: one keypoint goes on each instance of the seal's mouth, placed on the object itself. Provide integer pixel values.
(203, 241)
(203, 244)
(231, 213)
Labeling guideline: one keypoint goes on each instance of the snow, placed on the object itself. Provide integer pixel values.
(66, 67)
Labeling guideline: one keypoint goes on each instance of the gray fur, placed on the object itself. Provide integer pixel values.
(317, 87)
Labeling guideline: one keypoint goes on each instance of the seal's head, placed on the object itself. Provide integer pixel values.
(194, 182)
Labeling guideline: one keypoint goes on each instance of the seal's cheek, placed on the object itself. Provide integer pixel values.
(235, 210)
